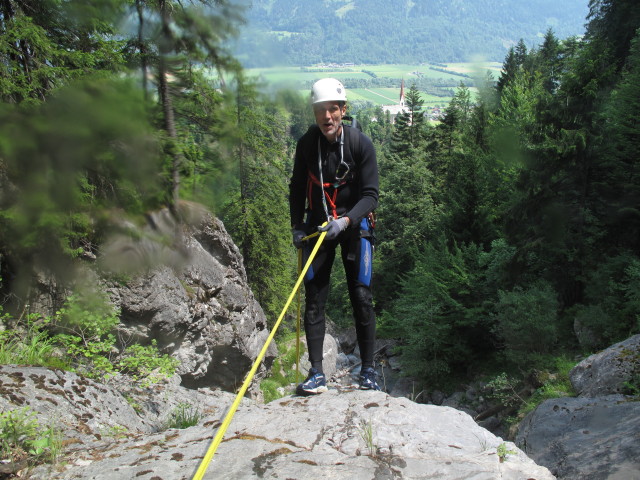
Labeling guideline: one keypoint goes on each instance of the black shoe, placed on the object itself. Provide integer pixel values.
(368, 379)
(314, 384)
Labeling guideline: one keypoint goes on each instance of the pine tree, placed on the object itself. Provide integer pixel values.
(617, 170)
(549, 56)
(520, 53)
(257, 213)
(407, 216)
(435, 336)
(455, 125)
(407, 212)
(410, 124)
(173, 39)
(509, 69)
(614, 23)
(39, 53)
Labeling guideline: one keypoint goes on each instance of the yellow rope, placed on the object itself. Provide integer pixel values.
(299, 306)
(232, 410)
(298, 320)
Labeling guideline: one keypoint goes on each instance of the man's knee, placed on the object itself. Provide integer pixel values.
(363, 305)
(313, 314)
(362, 296)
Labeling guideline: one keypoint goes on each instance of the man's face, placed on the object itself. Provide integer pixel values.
(329, 118)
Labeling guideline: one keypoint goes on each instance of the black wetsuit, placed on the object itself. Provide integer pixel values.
(355, 197)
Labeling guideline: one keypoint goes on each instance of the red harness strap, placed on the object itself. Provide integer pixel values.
(331, 199)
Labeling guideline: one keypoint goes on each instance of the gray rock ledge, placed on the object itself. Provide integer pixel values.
(341, 434)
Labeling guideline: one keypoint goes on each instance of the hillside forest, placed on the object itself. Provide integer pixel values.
(307, 32)
(508, 233)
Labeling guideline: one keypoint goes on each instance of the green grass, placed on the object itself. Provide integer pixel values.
(404, 70)
(33, 347)
(283, 370)
(390, 96)
(555, 385)
(184, 415)
(386, 96)
(472, 68)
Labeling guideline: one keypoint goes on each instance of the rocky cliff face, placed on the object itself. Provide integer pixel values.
(192, 297)
(200, 309)
(595, 435)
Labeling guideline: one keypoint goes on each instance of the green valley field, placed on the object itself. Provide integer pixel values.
(380, 84)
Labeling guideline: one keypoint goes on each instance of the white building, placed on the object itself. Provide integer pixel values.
(400, 107)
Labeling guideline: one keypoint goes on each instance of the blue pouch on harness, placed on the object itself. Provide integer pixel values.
(366, 253)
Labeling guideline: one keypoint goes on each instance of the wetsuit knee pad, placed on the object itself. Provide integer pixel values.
(362, 299)
(363, 296)
(312, 315)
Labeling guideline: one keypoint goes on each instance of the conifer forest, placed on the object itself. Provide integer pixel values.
(508, 233)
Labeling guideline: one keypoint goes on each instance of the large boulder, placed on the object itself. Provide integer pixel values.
(197, 306)
(344, 433)
(590, 438)
(595, 435)
(607, 372)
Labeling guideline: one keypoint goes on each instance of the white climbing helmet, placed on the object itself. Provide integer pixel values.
(328, 89)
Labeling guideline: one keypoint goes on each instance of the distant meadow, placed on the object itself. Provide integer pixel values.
(451, 74)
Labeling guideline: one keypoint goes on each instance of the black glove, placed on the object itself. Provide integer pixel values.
(298, 235)
(335, 227)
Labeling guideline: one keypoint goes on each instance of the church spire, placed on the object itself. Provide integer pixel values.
(402, 93)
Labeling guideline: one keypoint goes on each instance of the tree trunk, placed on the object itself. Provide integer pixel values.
(142, 46)
(167, 110)
(245, 247)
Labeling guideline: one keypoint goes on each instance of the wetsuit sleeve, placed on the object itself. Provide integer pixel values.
(368, 179)
(298, 187)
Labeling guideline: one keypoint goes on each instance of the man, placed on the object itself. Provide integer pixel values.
(335, 180)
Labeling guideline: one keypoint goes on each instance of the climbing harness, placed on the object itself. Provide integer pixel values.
(340, 180)
(234, 406)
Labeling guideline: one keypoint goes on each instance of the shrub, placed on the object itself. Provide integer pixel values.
(89, 316)
(87, 322)
(632, 386)
(554, 385)
(22, 437)
(79, 338)
(611, 312)
(269, 389)
(590, 326)
(526, 321)
(146, 363)
(504, 389)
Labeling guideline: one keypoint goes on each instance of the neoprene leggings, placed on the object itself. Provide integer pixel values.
(317, 283)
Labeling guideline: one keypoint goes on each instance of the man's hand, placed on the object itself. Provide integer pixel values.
(334, 227)
(298, 235)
